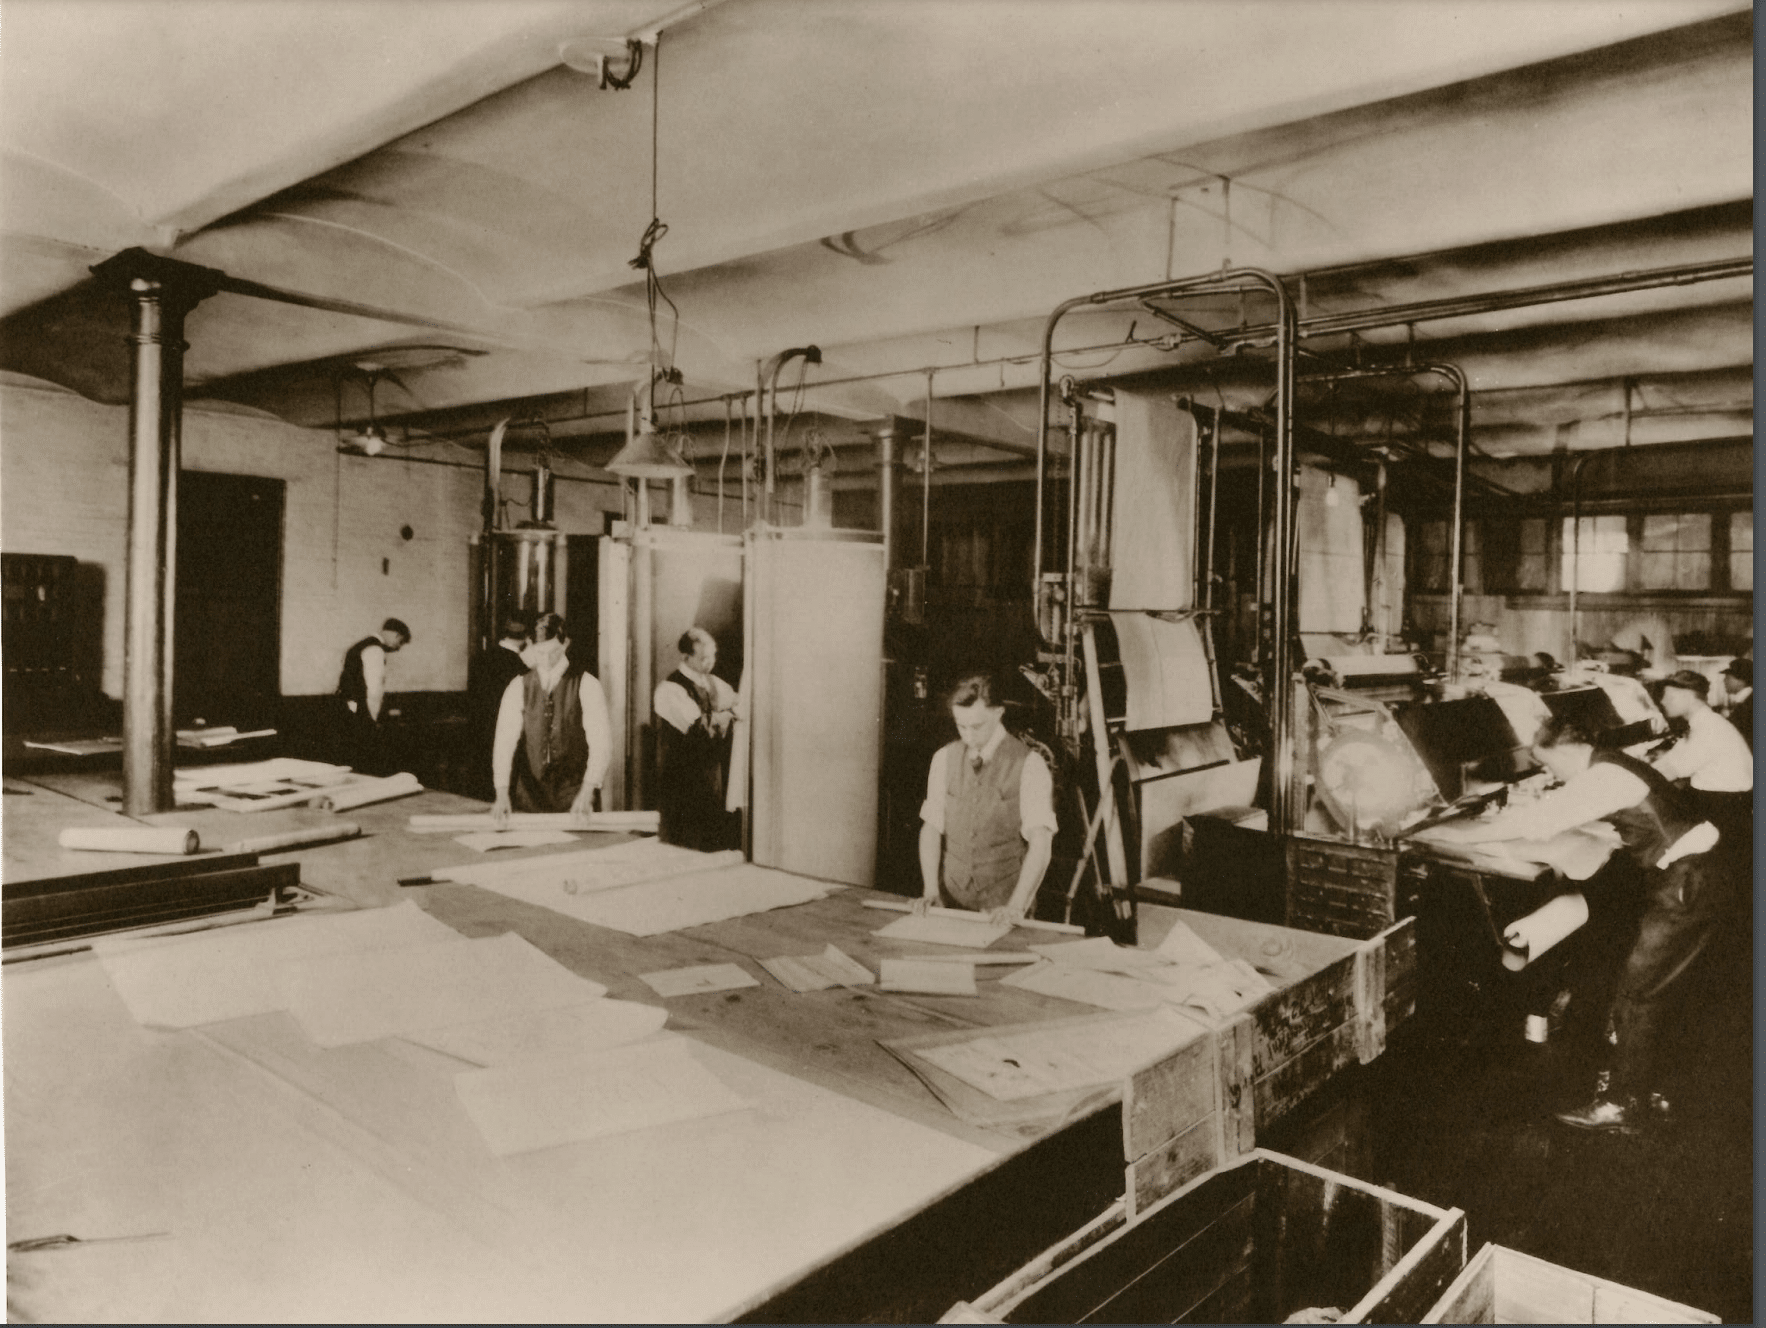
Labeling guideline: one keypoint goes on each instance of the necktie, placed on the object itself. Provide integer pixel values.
(975, 762)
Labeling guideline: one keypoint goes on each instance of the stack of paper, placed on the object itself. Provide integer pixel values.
(1185, 970)
(929, 977)
(938, 929)
(1011, 1064)
(833, 967)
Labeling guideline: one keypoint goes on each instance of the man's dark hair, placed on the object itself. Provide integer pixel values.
(550, 627)
(689, 641)
(1562, 733)
(983, 685)
(394, 625)
(1689, 681)
(515, 624)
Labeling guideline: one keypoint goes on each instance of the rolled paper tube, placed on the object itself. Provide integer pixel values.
(1525, 939)
(369, 791)
(132, 839)
(295, 838)
(438, 822)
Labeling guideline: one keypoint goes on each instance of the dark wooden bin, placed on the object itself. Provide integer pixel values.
(1255, 1242)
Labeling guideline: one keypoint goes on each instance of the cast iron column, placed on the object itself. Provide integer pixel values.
(161, 291)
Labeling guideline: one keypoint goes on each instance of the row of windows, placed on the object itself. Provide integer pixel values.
(1686, 552)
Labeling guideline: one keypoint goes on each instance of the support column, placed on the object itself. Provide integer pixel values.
(161, 291)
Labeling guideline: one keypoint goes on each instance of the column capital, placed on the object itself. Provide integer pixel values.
(187, 283)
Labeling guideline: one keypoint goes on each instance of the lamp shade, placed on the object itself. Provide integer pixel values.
(647, 456)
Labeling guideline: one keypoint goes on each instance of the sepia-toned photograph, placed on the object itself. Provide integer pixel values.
(877, 661)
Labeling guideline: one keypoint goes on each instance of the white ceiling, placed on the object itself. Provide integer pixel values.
(901, 182)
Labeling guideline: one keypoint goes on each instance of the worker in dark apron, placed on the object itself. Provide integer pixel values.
(1688, 893)
(694, 711)
(361, 697)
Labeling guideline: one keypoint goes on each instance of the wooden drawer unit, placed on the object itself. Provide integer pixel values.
(1254, 1242)
(1345, 889)
(1501, 1285)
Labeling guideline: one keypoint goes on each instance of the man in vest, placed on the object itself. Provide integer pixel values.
(1687, 893)
(553, 740)
(989, 816)
(361, 687)
(1712, 758)
(694, 709)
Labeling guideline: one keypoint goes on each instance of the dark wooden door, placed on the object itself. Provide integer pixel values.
(227, 641)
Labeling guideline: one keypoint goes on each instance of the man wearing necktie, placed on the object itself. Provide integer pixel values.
(695, 709)
(989, 817)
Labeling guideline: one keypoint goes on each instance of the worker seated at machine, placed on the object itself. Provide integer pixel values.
(988, 822)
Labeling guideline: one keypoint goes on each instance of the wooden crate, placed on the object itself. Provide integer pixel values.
(1251, 1243)
(1346, 889)
(1501, 1285)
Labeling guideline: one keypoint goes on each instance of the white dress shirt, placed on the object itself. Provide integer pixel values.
(672, 702)
(1712, 755)
(595, 726)
(1036, 789)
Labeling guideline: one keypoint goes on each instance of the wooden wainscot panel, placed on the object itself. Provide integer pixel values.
(1500, 1285)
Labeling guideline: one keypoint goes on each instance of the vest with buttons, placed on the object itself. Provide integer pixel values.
(552, 728)
(1650, 828)
(983, 832)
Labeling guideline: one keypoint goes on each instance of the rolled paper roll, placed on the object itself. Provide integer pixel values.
(295, 838)
(131, 839)
(1525, 939)
(368, 791)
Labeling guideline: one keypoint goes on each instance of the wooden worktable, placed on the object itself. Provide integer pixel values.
(337, 1157)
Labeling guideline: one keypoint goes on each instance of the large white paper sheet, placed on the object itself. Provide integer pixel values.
(936, 929)
(1030, 1062)
(698, 979)
(1153, 503)
(1165, 668)
(483, 841)
(1182, 946)
(928, 977)
(352, 998)
(230, 972)
(555, 879)
(562, 1033)
(540, 1104)
(1087, 986)
(677, 902)
(1101, 953)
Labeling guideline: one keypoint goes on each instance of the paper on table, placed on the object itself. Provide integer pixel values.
(833, 967)
(1216, 989)
(931, 978)
(939, 930)
(1183, 946)
(539, 1104)
(355, 998)
(567, 1031)
(540, 880)
(230, 972)
(484, 841)
(676, 902)
(1028, 1062)
(1088, 986)
(699, 978)
(1101, 953)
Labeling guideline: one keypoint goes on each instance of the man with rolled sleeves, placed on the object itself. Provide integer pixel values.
(989, 819)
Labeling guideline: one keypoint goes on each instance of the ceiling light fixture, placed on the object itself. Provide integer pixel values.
(372, 440)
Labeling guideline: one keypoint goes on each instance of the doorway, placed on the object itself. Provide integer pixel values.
(227, 637)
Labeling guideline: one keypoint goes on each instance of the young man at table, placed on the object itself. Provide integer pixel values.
(989, 818)
(1688, 893)
(553, 740)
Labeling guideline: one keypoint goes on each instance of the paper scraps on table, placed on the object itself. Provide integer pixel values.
(562, 1033)
(484, 841)
(231, 972)
(1100, 953)
(1217, 990)
(698, 979)
(1183, 946)
(540, 1104)
(1012, 1064)
(928, 977)
(353, 998)
(939, 930)
(1087, 986)
(833, 967)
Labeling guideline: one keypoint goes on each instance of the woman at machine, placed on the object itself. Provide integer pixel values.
(553, 740)
(1687, 892)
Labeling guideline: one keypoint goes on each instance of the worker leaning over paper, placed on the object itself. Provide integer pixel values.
(989, 817)
(1687, 889)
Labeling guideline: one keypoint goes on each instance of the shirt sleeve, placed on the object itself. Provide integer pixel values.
(671, 703)
(596, 730)
(507, 736)
(932, 810)
(1036, 796)
(1598, 791)
(1680, 760)
(374, 678)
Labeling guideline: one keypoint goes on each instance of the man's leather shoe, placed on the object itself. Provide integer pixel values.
(1607, 1115)
(1660, 1109)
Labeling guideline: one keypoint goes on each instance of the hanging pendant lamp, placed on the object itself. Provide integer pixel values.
(646, 454)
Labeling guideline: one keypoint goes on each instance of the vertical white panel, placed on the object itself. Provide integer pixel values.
(1333, 561)
(1153, 516)
(613, 659)
(815, 651)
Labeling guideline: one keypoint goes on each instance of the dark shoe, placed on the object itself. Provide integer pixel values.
(1604, 1114)
(1661, 1111)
